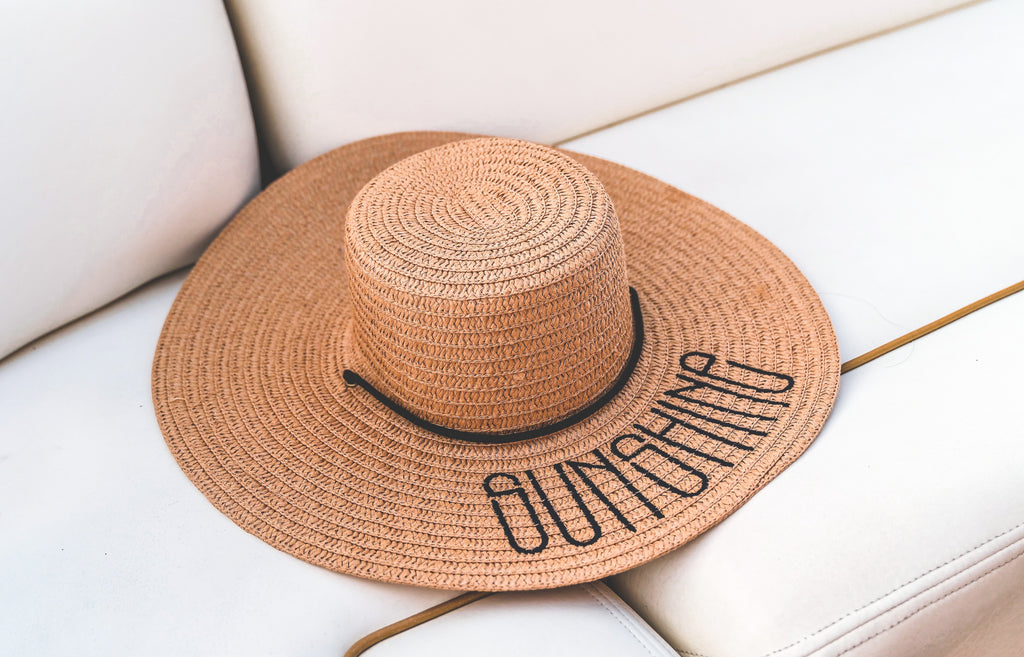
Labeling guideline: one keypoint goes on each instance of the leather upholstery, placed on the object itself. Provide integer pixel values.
(884, 170)
(907, 507)
(127, 142)
(888, 171)
(117, 553)
(325, 74)
(581, 620)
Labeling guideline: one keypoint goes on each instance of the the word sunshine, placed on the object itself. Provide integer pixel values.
(712, 420)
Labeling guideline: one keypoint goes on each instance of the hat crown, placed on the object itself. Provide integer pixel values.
(488, 286)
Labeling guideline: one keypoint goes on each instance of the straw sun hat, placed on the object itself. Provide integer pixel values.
(480, 363)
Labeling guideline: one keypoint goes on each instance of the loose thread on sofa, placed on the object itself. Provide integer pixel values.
(928, 328)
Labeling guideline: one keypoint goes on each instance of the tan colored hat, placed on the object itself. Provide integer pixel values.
(480, 363)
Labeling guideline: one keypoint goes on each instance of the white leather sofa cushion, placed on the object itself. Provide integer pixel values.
(890, 172)
(899, 532)
(325, 74)
(127, 142)
(585, 620)
(108, 549)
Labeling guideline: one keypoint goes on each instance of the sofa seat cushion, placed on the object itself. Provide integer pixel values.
(898, 532)
(108, 549)
(889, 171)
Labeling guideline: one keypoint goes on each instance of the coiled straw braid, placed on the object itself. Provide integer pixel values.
(488, 285)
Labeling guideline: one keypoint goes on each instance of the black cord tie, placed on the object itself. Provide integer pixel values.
(352, 378)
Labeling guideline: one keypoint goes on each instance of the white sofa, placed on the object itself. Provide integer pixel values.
(888, 169)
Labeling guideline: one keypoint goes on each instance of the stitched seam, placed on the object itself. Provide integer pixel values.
(919, 610)
(590, 588)
(907, 601)
(894, 589)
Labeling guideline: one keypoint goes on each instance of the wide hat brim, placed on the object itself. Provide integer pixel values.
(738, 372)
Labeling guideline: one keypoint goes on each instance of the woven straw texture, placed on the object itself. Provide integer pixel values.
(483, 286)
(488, 285)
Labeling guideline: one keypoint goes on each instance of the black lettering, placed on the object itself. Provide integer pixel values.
(663, 437)
(581, 468)
(701, 363)
(706, 418)
(649, 447)
(704, 432)
(694, 384)
(520, 492)
(678, 394)
(572, 540)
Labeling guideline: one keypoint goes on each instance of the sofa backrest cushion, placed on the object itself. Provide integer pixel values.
(325, 74)
(128, 141)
